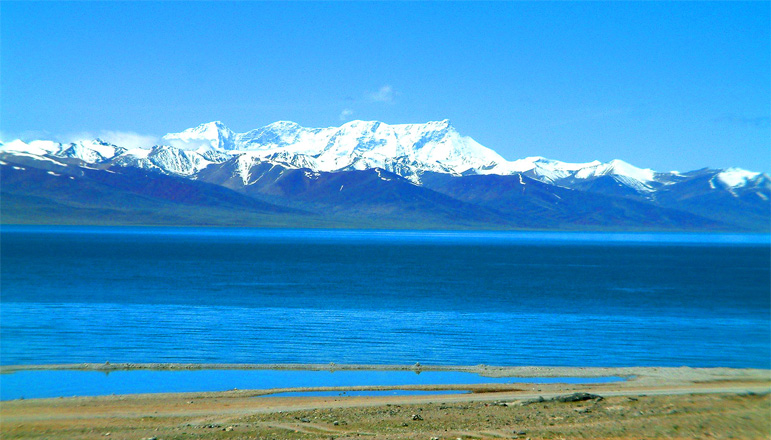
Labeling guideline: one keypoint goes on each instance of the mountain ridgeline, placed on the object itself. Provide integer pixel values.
(364, 175)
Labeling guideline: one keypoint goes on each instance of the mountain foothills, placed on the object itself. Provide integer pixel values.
(362, 174)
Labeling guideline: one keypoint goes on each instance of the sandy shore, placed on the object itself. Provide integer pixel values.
(651, 403)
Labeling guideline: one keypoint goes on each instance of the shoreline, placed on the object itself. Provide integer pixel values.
(654, 403)
(483, 369)
(630, 376)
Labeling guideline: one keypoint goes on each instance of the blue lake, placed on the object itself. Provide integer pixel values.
(64, 383)
(76, 294)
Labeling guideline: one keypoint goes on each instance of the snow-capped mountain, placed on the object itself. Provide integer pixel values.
(214, 135)
(566, 174)
(738, 178)
(406, 149)
(89, 151)
(423, 155)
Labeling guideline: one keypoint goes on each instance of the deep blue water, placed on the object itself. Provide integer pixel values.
(293, 296)
(64, 383)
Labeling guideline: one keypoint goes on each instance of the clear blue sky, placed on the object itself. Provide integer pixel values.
(669, 86)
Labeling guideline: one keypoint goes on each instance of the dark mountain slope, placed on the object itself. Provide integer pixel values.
(131, 196)
(374, 195)
(556, 207)
(747, 207)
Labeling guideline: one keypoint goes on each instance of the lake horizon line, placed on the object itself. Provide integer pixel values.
(456, 236)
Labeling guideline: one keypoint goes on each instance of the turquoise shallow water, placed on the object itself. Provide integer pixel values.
(383, 297)
(64, 383)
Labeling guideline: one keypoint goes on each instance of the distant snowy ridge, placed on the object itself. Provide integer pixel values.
(408, 150)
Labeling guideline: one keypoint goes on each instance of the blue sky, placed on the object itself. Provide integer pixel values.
(668, 86)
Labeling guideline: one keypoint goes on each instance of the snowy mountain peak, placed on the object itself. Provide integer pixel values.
(209, 126)
(736, 177)
(616, 167)
(208, 130)
(91, 151)
(283, 125)
(39, 148)
(409, 150)
(547, 170)
(443, 124)
(210, 135)
(433, 146)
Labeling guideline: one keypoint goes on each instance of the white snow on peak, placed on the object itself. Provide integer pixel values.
(210, 135)
(177, 161)
(34, 147)
(408, 150)
(90, 151)
(639, 179)
(31, 155)
(104, 149)
(736, 177)
(552, 171)
(356, 144)
(542, 168)
(139, 153)
(618, 168)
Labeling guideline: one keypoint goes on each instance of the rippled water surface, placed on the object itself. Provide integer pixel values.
(383, 297)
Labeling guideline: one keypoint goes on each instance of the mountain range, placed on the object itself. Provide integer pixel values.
(361, 174)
